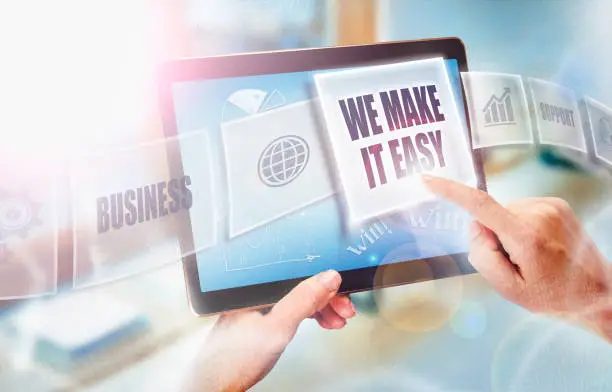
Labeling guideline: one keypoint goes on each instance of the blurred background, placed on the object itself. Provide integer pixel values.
(77, 80)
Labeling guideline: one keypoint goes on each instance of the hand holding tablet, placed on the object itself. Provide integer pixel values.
(252, 343)
(568, 278)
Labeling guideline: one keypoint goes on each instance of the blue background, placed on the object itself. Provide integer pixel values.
(256, 256)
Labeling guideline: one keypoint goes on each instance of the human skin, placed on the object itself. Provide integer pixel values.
(535, 253)
(244, 346)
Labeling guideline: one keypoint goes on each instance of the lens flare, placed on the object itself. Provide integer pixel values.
(418, 307)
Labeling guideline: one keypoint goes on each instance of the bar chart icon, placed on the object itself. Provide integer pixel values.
(499, 111)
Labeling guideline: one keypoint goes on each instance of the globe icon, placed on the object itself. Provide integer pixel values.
(283, 160)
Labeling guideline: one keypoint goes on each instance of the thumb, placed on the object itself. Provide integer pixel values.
(488, 259)
(306, 299)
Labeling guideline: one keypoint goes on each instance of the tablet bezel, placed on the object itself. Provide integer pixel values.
(238, 65)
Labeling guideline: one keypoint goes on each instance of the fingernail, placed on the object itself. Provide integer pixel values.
(427, 178)
(330, 279)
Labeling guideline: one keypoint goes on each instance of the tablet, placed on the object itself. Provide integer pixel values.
(268, 210)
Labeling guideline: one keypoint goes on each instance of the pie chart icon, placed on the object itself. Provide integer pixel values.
(247, 102)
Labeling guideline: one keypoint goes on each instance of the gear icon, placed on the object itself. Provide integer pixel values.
(18, 214)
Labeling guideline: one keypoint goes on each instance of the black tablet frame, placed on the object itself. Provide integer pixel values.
(263, 295)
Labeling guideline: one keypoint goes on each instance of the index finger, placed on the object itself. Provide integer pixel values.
(478, 203)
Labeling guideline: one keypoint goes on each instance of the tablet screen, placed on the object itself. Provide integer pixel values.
(284, 218)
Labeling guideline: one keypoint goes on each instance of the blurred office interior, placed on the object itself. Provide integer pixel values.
(78, 79)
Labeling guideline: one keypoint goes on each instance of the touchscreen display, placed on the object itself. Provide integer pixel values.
(286, 219)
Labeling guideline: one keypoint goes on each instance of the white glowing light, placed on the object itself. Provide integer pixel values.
(74, 73)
